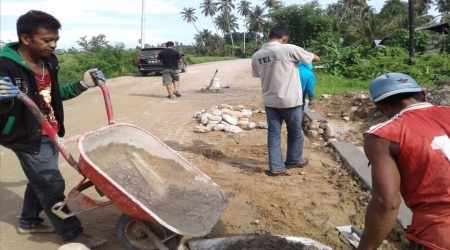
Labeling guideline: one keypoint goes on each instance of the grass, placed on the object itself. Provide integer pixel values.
(329, 84)
(204, 59)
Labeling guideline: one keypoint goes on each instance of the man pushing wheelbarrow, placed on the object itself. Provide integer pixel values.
(30, 66)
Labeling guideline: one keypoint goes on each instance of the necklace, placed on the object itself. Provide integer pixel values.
(41, 81)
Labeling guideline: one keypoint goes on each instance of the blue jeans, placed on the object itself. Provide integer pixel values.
(45, 188)
(295, 138)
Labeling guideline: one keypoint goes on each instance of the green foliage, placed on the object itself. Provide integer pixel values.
(400, 38)
(204, 59)
(306, 22)
(114, 61)
(339, 59)
(331, 84)
(444, 43)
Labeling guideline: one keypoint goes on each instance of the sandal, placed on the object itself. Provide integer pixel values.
(282, 173)
(41, 228)
(177, 93)
(170, 96)
(303, 163)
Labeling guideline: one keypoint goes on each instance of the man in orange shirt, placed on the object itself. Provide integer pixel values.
(410, 156)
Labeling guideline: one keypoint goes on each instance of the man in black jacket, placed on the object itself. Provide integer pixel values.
(30, 66)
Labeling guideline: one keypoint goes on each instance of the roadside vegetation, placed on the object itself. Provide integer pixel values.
(345, 34)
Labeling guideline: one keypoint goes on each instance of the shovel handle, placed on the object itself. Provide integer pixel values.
(356, 231)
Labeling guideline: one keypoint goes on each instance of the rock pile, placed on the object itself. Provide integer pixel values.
(318, 129)
(225, 118)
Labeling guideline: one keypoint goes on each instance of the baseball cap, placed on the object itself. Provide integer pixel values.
(392, 84)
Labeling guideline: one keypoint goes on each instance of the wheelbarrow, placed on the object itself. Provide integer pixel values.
(161, 195)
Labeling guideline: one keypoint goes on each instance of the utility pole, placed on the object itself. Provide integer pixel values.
(411, 28)
(143, 24)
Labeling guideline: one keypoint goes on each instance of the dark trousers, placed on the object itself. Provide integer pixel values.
(45, 188)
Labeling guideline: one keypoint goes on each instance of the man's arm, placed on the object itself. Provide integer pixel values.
(381, 214)
(316, 58)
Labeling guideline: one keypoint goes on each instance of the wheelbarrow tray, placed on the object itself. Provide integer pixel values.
(149, 181)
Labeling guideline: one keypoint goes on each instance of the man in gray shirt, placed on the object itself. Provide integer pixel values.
(276, 65)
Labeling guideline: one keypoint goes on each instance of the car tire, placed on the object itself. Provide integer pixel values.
(143, 73)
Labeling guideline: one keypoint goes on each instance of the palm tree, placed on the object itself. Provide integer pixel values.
(272, 4)
(226, 6)
(244, 10)
(209, 8)
(256, 20)
(371, 27)
(443, 6)
(188, 15)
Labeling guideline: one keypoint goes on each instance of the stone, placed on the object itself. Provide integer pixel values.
(215, 118)
(246, 113)
(233, 129)
(217, 112)
(203, 119)
(219, 127)
(329, 131)
(229, 119)
(314, 124)
(73, 246)
(202, 129)
(250, 126)
(262, 125)
(243, 123)
(346, 118)
(226, 111)
(312, 133)
(237, 114)
(212, 123)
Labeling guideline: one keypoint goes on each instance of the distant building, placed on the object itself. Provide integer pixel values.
(442, 28)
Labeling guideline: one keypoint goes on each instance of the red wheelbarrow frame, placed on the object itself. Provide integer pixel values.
(127, 205)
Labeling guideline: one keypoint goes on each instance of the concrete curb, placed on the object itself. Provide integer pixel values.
(355, 160)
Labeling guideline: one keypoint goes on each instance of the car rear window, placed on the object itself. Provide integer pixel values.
(150, 52)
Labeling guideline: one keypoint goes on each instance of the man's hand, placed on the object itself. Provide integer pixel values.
(92, 78)
(7, 90)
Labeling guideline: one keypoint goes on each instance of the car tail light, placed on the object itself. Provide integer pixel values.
(139, 60)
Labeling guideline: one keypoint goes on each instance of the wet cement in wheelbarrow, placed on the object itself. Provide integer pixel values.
(268, 242)
(178, 196)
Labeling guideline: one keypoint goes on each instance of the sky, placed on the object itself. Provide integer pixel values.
(121, 20)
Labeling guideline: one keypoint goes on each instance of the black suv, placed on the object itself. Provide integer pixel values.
(147, 61)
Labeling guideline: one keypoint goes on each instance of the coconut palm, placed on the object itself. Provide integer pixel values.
(272, 4)
(209, 8)
(443, 6)
(244, 9)
(188, 15)
(256, 20)
(226, 6)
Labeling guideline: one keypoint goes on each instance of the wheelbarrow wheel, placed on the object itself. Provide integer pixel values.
(134, 238)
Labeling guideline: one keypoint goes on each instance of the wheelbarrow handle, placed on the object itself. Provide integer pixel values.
(108, 105)
(58, 141)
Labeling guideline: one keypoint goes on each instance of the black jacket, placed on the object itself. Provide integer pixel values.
(19, 129)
